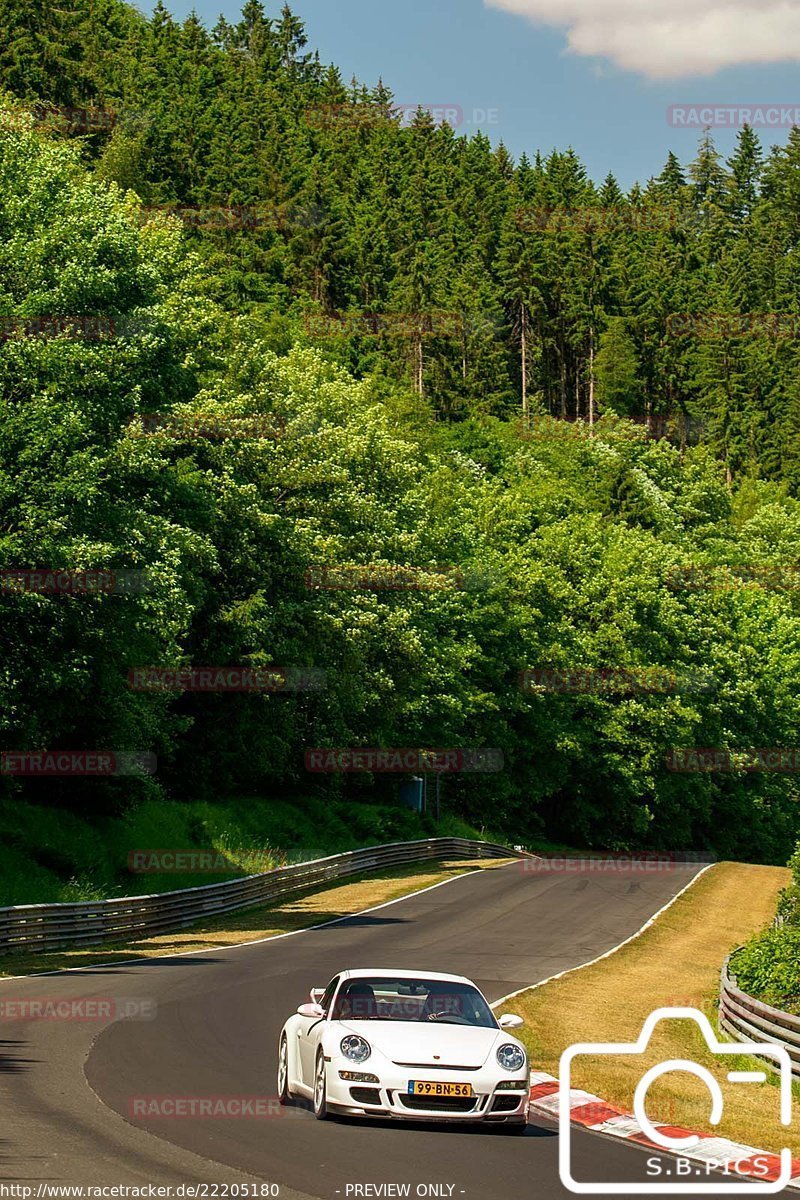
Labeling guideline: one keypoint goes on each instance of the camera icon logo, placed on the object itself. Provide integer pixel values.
(660, 1137)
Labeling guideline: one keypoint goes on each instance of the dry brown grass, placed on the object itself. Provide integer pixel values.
(675, 963)
(297, 912)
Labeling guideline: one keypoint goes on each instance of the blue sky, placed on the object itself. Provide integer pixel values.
(599, 75)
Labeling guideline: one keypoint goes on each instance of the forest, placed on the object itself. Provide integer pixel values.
(465, 452)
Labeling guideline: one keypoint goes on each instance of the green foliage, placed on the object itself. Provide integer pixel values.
(769, 968)
(617, 369)
(557, 292)
(49, 854)
(399, 445)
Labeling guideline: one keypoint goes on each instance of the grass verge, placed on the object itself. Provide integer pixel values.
(50, 854)
(300, 911)
(675, 963)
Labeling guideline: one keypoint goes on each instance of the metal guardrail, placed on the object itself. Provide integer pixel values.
(35, 927)
(744, 1016)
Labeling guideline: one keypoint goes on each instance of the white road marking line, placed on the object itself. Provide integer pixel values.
(275, 937)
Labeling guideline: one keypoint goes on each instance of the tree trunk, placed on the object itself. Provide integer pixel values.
(524, 346)
(419, 381)
(591, 379)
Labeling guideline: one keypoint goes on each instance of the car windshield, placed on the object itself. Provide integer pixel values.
(420, 1000)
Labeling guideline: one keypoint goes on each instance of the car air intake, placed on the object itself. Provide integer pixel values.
(460, 1104)
(366, 1096)
(435, 1066)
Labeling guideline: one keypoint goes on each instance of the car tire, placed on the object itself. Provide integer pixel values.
(320, 1089)
(284, 1095)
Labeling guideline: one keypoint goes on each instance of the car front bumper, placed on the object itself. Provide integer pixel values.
(390, 1096)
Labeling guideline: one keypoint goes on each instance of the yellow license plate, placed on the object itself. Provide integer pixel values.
(422, 1088)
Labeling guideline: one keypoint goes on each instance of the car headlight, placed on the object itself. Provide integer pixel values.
(510, 1057)
(356, 1049)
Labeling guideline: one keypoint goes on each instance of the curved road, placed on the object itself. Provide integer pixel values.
(214, 1019)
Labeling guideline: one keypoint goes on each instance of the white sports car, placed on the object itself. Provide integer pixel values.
(408, 1045)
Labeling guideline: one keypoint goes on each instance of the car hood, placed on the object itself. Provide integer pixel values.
(434, 1045)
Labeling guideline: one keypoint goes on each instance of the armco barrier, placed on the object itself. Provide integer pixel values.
(35, 927)
(745, 1017)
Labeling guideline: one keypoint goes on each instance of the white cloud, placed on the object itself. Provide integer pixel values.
(666, 39)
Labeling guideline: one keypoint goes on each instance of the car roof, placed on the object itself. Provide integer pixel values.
(392, 973)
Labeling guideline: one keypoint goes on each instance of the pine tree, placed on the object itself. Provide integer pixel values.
(619, 387)
(745, 168)
(520, 269)
(292, 40)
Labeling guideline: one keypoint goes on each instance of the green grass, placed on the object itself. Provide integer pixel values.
(674, 963)
(49, 854)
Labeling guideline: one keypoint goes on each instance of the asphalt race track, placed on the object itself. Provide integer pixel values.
(69, 1084)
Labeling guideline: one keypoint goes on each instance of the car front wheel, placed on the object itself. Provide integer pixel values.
(284, 1094)
(320, 1089)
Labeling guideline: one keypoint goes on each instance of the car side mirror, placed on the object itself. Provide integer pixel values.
(511, 1021)
(311, 1010)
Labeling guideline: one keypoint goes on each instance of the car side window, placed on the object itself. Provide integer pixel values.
(328, 994)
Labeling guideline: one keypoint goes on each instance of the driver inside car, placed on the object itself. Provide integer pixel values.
(358, 1003)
